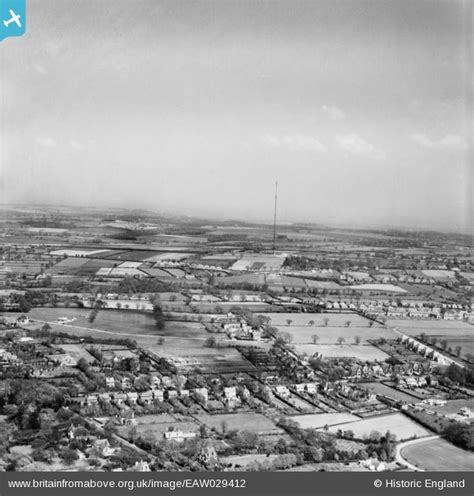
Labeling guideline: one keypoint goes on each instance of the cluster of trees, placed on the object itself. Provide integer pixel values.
(460, 434)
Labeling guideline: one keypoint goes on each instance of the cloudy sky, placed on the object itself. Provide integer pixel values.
(357, 108)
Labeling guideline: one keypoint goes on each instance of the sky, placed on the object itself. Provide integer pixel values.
(359, 108)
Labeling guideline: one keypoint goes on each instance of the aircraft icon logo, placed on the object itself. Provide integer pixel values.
(13, 18)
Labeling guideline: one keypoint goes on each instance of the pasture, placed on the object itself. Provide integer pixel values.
(334, 319)
(182, 341)
(396, 423)
(439, 456)
(249, 421)
(348, 326)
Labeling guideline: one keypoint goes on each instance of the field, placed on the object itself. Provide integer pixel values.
(244, 460)
(302, 332)
(379, 388)
(365, 352)
(318, 420)
(457, 333)
(253, 422)
(453, 406)
(396, 423)
(183, 341)
(438, 455)
(154, 426)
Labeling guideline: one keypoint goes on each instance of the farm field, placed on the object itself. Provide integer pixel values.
(119, 322)
(396, 423)
(315, 421)
(379, 388)
(334, 319)
(438, 455)
(364, 352)
(250, 421)
(302, 332)
(183, 341)
(330, 335)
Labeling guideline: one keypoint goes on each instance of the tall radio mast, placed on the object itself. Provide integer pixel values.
(275, 215)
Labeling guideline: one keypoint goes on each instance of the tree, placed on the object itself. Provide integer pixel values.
(371, 323)
(311, 323)
(158, 316)
(340, 340)
(348, 323)
(458, 350)
(210, 342)
(357, 340)
(160, 341)
(69, 456)
(315, 338)
(288, 322)
(444, 344)
(326, 322)
(423, 337)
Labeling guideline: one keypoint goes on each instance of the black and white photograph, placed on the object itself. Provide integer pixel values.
(236, 236)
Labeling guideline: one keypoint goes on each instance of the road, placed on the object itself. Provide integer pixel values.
(399, 448)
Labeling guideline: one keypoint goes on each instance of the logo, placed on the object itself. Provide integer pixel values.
(12, 18)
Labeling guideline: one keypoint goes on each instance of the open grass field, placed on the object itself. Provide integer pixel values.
(183, 341)
(396, 423)
(453, 406)
(365, 352)
(379, 388)
(330, 335)
(249, 421)
(439, 456)
(334, 319)
(153, 427)
(318, 420)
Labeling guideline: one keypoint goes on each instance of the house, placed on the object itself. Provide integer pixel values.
(101, 448)
(299, 388)
(202, 392)
(311, 388)
(172, 393)
(230, 393)
(132, 397)
(126, 383)
(140, 466)
(110, 382)
(155, 381)
(184, 393)
(119, 398)
(208, 455)
(146, 397)
(158, 394)
(177, 435)
(282, 391)
(91, 400)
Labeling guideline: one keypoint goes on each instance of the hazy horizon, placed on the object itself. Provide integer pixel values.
(358, 108)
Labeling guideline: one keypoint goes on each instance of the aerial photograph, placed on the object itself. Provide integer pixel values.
(237, 236)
